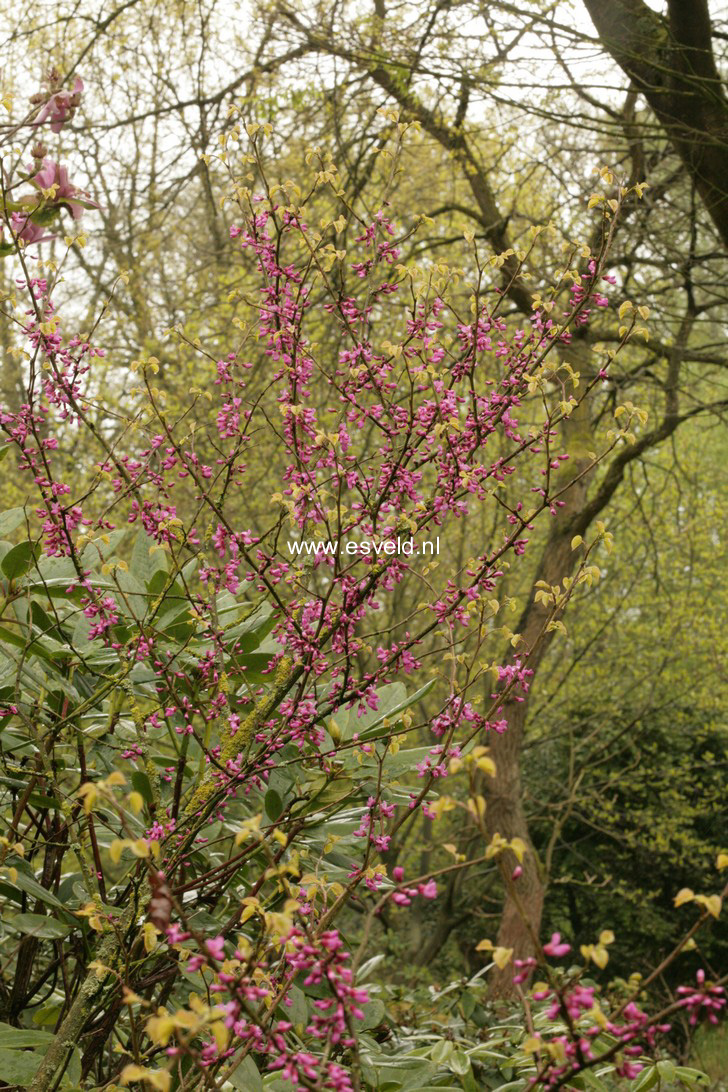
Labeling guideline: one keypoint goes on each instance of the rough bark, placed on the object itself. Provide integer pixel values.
(670, 60)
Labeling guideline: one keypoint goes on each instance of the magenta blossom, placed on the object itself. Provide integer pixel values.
(703, 1000)
(26, 230)
(61, 107)
(53, 177)
(555, 947)
(216, 947)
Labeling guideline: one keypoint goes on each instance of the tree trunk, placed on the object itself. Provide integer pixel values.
(505, 815)
(671, 62)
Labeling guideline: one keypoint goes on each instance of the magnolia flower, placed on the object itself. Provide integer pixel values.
(52, 181)
(61, 106)
(26, 230)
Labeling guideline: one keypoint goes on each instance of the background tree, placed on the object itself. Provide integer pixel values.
(495, 157)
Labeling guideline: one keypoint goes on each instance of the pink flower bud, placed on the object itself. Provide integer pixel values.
(555, 947)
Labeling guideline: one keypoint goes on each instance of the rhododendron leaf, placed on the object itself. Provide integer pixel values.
(31, 886)
(592, 1081)
(57, 586)
(410, 1074)
(390, 711)
(19, 1067)
(691, 1077)
(246, 1077)
(12, 638)
(442, 1051)
(648, 1078)
(146, 559)
(459, 1063)
(253, 665)
(42, 620)
(273, 805)
(38, 925)
(249, 633)
(142, 784)
(19, 559)
(179, 628)
(513, 1086)
(11, 517)
(332, 793)
(157, 583)
(40, 800)
(12, 1038)
(407, 759)
(374, 1014)
(298, 1011)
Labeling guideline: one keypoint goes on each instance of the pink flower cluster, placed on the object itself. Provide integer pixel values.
(702, 1000)
(403, 895)
(319, 962)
